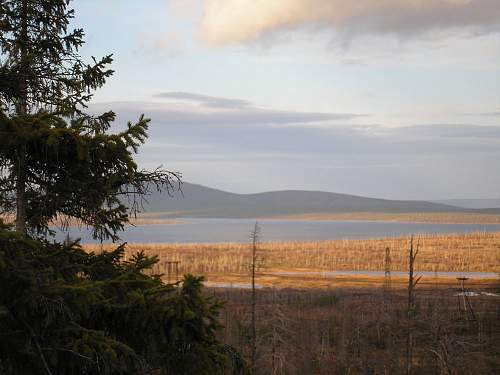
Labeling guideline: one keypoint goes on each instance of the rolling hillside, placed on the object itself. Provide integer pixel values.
(200, 201)
(472, 203)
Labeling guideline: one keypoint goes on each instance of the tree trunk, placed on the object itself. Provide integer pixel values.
(409, 310)
(21, 190)
(21, 201)
(255, 237)
(412, 283)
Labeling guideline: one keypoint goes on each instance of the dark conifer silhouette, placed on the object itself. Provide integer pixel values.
(56, 161)
(63, 310)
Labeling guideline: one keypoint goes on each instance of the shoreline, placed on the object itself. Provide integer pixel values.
(404, 217)
(412, 217)
(168, 218)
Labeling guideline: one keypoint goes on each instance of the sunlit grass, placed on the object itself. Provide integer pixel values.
(457, 252)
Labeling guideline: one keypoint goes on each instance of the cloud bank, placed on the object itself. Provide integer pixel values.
(197, 109)
(237, 21)
(216, 142)
(206, 100)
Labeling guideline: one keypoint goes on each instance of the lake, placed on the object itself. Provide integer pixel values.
(238, 230)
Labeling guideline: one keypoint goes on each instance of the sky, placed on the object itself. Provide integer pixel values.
(396, 99)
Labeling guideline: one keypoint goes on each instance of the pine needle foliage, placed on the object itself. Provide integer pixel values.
(40, 66)
(73, 174)
(65, 311)
(57, 161)
(62, 310)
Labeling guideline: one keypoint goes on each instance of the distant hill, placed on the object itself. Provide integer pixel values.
(472, 203)
(201, 201)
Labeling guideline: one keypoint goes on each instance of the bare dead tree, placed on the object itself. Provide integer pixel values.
(254, 236)
(387, 275)
(412, 283)
(442, 353)
(278, 336)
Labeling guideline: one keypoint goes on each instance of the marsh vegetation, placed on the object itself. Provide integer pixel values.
(471, 252)
(351, 324)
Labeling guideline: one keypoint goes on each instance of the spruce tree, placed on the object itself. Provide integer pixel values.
(56, 161)
(63, 310)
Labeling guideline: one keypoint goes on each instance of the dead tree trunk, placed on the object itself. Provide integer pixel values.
(387, 276)
(412, 283)
(255, 240)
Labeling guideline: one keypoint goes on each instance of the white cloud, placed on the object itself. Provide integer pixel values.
(203, 110)
(206, 100)
(236, 21)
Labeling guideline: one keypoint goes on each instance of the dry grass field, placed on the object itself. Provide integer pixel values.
(229, 262)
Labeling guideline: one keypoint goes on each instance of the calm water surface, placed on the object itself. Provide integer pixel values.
(238, 230)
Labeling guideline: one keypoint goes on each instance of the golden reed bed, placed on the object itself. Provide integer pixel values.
(458, 252)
